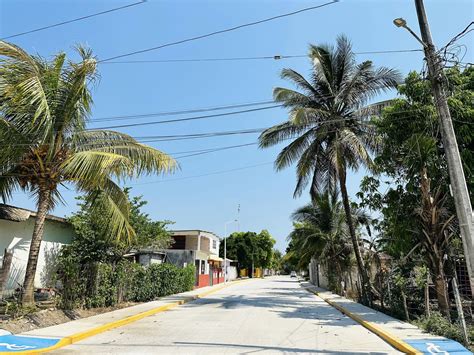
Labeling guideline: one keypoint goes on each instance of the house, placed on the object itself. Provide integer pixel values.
(146, 257)
(16, 229)
(199, 248)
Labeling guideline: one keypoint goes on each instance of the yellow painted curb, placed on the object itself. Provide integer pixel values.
(389, 338)
(121, 322)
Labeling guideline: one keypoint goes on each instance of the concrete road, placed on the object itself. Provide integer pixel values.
(269, 316)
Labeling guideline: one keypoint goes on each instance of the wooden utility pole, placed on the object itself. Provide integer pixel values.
(456, 174)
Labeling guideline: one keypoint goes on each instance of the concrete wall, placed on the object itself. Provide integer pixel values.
(231, 273)
(16, 236)
(205, 244)
(192, 242)
(180, 258)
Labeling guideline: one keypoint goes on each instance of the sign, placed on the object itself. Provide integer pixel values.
(438, 346)
(10, 343)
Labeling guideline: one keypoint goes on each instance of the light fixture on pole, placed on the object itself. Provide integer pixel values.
(400, 22)
(225, 249)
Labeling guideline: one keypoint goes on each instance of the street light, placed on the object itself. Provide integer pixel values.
(225, 248)
(400, 22)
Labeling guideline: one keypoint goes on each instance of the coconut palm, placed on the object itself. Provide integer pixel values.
(44, 107)
(328, 124)
(320, 231)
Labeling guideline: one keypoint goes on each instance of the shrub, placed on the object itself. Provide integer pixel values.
(105, 285)
(438, 325)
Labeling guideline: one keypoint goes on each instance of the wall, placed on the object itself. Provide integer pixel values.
(180, 257)
(231, 273)
(17, 237)
(192, 242)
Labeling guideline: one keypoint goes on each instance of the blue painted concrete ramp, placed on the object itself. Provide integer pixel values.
(10, 343)
(438, 346)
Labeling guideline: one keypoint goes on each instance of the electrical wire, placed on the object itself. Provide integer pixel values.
(182, 112)
(202, 175)
(74, 20)
(165, 138)
(187, 118)
(231, 59)
(230, 29)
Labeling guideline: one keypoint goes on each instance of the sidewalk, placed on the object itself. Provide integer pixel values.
(57, 336)
(402, 335)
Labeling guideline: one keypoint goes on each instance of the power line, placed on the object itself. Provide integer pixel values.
(165, 138)
(230, 59)
(195, 38)
(181, 112)
(75, 20)
(202, 175)
(187, 119)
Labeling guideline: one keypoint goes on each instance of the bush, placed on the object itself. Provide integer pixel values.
(105, 285)
(438, 325)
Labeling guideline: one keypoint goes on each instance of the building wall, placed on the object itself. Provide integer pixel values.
(205, 244)
(231, 273)
(180, 258)
(16, 236)
(192, 242)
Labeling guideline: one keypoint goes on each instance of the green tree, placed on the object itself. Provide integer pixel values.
(94, 242)
(44, 108)
(264, 243)
(418, 213)
(250, 249)
(277, 262)
(326, 125)
(320, 231)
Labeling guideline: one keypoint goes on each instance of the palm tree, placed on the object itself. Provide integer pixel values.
(320, 231)
(44, 107)
(328, 124)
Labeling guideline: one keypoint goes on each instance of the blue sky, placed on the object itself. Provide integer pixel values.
(207, 202)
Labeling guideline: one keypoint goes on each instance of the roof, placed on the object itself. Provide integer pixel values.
(196, 231)
(17, 214)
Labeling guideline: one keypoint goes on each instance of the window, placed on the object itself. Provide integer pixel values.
(214, 244)
(203, 267)
(179, 242)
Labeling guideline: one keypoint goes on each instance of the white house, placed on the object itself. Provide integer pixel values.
(200, 248)
(16, 229)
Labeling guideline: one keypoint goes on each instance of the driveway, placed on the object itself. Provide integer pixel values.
(263, 316)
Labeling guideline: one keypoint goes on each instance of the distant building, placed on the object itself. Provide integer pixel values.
(199, 248)
(146, 257)
(16, 229)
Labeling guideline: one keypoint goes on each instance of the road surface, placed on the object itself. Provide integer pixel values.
(269, 316)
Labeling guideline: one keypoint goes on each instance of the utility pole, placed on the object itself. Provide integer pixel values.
(456, 174)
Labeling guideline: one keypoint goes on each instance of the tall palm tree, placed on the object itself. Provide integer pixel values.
(328, 124)
(44, 107)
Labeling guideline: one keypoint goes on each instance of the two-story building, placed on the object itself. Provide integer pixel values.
(200, 248)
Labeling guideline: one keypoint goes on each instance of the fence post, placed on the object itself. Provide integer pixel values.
(457, 298)
(427, 295)
(405, 306)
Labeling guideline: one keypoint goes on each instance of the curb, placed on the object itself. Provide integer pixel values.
(389, 338)
(74, 338)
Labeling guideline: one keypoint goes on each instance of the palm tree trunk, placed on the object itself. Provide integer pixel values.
(365, 287)
(441, 288)
(28, 285)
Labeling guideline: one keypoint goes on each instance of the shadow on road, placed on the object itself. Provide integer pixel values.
(256, 348)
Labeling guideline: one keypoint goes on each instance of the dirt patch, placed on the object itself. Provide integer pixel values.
(49, 317)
